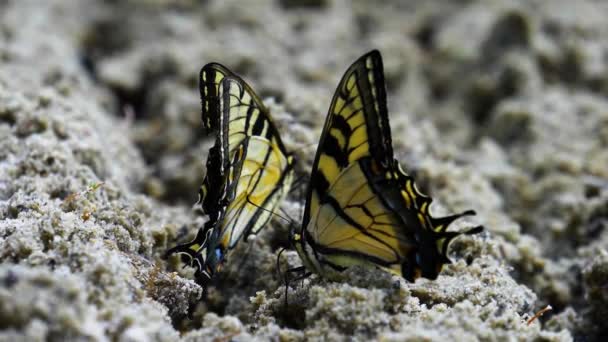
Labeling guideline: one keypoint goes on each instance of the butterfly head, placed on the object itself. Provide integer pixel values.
(295, 238)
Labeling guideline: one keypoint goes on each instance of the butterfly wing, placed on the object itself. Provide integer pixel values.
(343, 217)
(353, 225)
(265, 169)
(248, 169)
(356, 126)
(361, 207)
(249, 117)
(210, 80)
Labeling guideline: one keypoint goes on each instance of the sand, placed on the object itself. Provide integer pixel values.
(496, 106)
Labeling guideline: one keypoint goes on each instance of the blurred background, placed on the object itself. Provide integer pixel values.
(499, 106)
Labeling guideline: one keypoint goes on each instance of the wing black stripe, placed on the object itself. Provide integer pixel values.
(319, 183)
(258, 126)
(331, 147)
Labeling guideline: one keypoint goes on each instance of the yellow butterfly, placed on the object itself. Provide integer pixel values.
(361, 207)
(248, 170)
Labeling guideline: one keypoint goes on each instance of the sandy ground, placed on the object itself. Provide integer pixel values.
(496, 106)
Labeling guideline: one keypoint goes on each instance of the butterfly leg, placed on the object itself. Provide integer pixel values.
(301, 272)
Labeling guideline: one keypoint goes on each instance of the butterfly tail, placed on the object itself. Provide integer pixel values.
(441, 224)
(193, 252)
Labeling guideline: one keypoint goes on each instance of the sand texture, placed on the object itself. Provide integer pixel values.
(496, 106)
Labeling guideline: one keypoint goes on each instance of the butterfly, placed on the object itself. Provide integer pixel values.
(361, 207)
(249, 170)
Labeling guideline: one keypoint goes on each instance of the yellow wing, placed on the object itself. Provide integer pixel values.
(248, 169)
(356, 126)
(263, 170)
(210, 79)
(361, 207)
(353, 221)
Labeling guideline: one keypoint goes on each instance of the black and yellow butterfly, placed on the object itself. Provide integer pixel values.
(248, 170)
(361, 207)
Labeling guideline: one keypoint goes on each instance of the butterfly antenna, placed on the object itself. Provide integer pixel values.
(301, 199)
(243, 261)
(297, 184)
(289, 221)
(286, 214)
